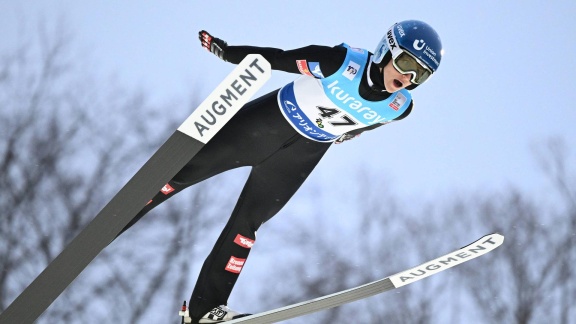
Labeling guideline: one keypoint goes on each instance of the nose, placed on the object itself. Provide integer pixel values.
(406, 77)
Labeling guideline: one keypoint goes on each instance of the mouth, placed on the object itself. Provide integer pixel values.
(398, 83)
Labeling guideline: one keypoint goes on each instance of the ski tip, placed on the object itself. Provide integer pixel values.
(471, 251)
(497, 238)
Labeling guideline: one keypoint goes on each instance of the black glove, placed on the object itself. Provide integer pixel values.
(212, 44)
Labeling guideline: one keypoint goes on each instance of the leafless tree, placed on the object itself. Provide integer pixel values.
(530, 279)
(68, 142)
(555, 161)
(339, 249)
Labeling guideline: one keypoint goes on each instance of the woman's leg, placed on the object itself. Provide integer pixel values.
(269, 187)
(254, 133)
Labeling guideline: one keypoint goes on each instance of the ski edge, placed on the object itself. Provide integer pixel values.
(487, 244)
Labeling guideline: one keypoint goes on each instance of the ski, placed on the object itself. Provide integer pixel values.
(473, 250)
(217, 109)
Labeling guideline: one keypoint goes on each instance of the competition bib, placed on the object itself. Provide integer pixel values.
(324, 109)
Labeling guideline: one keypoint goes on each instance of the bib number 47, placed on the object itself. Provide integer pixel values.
(329, 113)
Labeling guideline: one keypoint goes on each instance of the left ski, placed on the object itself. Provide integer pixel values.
(473, 250)
(225, 101)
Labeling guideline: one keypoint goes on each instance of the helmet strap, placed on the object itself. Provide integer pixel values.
(375, 77)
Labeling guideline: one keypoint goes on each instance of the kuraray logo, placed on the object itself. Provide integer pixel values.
(351, 71)
(235, 264)
(358, 110)
(244, 241)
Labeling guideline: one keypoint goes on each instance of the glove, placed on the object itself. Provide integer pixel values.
(213, 44)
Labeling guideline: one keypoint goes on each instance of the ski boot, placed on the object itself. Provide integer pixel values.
(217, 315)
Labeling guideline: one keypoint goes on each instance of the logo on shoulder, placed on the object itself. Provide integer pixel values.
(351, 70)
(303, 67)
(357, 50)
(315, 69)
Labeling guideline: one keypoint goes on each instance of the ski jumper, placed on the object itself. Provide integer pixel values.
(324, 109)
(282, 136)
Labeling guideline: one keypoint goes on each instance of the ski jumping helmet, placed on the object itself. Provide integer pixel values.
(416, 38)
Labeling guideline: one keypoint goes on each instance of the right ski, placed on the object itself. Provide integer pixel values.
(469, 252)
(218, 108)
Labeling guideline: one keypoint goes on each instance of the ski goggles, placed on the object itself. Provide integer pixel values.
(407, 63)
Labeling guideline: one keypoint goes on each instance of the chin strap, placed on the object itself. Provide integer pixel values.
(374, 85)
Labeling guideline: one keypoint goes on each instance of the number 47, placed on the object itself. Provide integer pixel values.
(328, 113)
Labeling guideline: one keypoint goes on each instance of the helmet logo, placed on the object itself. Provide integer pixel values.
(419, 44)
(401, 30)
(391, 40)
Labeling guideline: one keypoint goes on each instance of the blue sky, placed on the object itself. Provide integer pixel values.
(506, 80)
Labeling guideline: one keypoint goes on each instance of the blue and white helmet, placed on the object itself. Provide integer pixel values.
(413, 36)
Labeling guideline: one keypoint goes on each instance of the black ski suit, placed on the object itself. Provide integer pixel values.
(281, 159)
